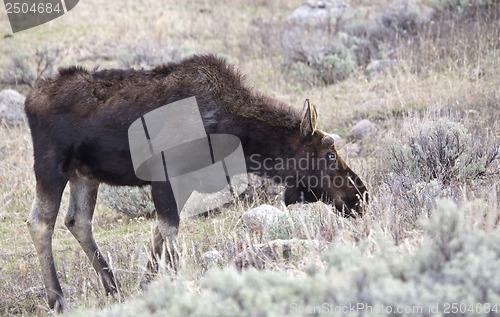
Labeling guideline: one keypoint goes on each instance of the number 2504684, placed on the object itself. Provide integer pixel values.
(34, 8)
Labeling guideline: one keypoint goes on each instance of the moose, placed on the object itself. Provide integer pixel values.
(79, 121)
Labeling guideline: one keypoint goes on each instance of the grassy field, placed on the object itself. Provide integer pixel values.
(451, 77)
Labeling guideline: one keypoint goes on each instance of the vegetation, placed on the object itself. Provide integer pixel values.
(450, 258)
(430, 232)
(330, 50)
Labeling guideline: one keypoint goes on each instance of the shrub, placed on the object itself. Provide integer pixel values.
(433, 159)
(453, 265)
(332, 67)
(334, 49)
(25, 69)
(335, 39)
(131, 201)
(440, 150)
(319, 61)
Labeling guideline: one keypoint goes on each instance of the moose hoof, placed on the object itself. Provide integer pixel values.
(58, 305)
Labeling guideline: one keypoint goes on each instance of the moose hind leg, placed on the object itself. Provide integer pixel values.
(165, 235)
(41, 224)
(83, 195)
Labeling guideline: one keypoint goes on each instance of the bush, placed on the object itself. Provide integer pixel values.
(309, 221)
(330, 40)
(440, 150)
(434, 159)
(25, 69)
(131, 201)
(335, 48)
(453, 265)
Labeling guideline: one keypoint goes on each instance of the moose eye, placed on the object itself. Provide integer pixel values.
(331, 157)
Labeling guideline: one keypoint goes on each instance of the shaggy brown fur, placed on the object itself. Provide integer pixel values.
(200, 75)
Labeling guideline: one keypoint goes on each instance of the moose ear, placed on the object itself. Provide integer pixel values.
(308, 124)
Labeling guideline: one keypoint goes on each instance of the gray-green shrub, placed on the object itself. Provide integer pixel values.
(310, 221)
(431, 159)
(454, 264)
(131, 201)
(357, 36)
(440, 150)
(329, 50)
(26, 68)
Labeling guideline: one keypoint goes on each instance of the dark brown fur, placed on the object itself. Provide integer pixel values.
(79, 122)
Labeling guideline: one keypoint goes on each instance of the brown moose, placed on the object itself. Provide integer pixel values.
(79, 121)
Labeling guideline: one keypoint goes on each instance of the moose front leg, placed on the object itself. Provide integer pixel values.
(165, 233)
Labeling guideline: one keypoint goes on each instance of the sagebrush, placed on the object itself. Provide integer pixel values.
(453, 258)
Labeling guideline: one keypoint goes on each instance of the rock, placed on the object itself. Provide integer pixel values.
(211, 257)
(12, 107)
(336, 137)
(379, 66)
(319, 12)
(308, 32)
(362, 129)
(277, 251)
(371, 104)
(349, 150)
(200, 202)
(261, 217)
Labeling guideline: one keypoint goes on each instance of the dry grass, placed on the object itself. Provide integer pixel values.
(427, 83)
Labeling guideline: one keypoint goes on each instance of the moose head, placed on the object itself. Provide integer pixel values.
(321, 173)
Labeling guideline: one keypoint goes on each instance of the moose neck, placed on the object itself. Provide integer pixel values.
(268, 147)
(272, 142)
(268, 129)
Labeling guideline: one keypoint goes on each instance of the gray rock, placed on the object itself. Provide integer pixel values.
(261, 217)
(362, 129)
(308, 30)
(211, 257)
(319, 12)
(12, 107)
(350, 149)
(379, 66)
(336, 137)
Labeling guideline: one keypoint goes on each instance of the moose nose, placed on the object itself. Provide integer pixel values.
(346, 209)
(352, 207)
